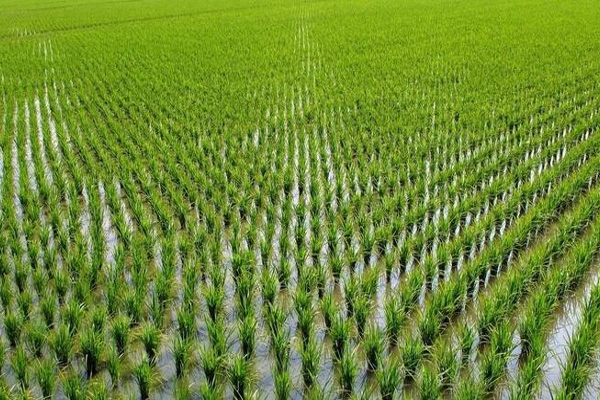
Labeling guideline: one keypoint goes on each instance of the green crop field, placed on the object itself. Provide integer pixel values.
(281, 199)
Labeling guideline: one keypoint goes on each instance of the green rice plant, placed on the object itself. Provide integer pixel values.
(348, 370)
(466, 340)
(210, 392)
(120, 328)
(182, 353)
(61, 343)
(240, 377)
(36, 338)
(247, 335)
(13, 326)
(413, 352)
(186, 324)
(448, 364)
(340, 335)
(25, 302)
(329, 309)
(45, 375)
(374, 346)
(114, 365)
(72, 315)
(394, 319)
(389, 378)
(269, 286)
(469, 389)
(20, 366)
(99, 316)
(310, 356)
(218, 336)
(97, 390)
(362, 311)
(429, 327)
(283, 384)
(92, 347)
(211, 363)
(74, 386)
(145, 378)
(151, 339)
(430, 387)
(281, 350)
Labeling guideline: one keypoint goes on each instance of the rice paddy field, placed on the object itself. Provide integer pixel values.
(277, 199)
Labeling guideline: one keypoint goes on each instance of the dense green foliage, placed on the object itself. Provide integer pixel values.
(287, 199)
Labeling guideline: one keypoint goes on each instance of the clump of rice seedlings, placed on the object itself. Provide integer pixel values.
(281, 350)
(97, 390)
(329, 309)
(447, 363)
(306, 319)
(340, 335)
(186, 323)
(284, 272)
(283, 384)
(74, 387)
(210, 392)
(20, 366)
(239, 373)
(389, 378)
(211, 363)
(218, 336)
(394, 319)
(310, 356)
(214, 297)
(247, 335)
(145, 378)
(466, 340)
(73, 314)
(183, 391)
(151, 338)
(61, 343)
(469, 389)
(429, 326)
(373, 345)
(412, 355)
(348, 370)
(114, 365)
(48, 307)
(269, 287)
(36, 338)
(13, 326)
(430, 387)
(494, 361)
(92, 347)
(182, 353)
(120, 328)
(99, 316)
(45, 375)
(362, 311)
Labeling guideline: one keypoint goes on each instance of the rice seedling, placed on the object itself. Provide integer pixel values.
(45, 375)
(348, 370)
(20, 366)
(61, 343)
(240, 377)
(283, 384)
(150, 337)
(310, 356)
(390, 378)
(120, 328)
(92, 348)
(374, 346)
(182, 353)
(412, 356)
(145, 378)
(114, 365)
(74, 386)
